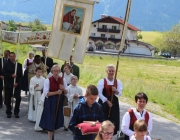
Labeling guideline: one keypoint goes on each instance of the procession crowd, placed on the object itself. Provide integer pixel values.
(56, 100)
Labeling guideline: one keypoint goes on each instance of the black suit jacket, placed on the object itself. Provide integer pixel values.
(8, 70)
(1, 68)
(49, 62)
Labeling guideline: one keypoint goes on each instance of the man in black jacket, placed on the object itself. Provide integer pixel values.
(49, 61)
(3, 60)
(9, 76)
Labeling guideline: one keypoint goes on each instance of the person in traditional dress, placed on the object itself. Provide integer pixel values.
(9, 76)
(54, 87)
(69, 20)
(75, 69)
(27, 63)
(32, 68)
(74, 92)
(107, 87)
(35, 88)
(50, 73)
(68, 74)
(48, 62)
(136, 113)
(3, 60)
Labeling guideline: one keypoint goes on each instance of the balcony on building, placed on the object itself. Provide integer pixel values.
(108, 30)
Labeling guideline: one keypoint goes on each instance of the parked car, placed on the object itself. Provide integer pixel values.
(166, 54)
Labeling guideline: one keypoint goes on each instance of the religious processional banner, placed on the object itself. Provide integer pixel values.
(34, 37)
(71, 28)
(10, 37)
(26, 37)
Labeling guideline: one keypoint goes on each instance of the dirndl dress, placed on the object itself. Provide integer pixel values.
(48, 116)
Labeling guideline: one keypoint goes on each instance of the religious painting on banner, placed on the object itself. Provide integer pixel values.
(71, 29)
(72, 20)
(10, 37)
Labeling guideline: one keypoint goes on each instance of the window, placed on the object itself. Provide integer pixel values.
(112, 36)
(93, 34)
(94, 25)
(102, 35)
(113, 27)
(104, 26)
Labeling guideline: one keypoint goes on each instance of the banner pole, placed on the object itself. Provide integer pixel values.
(124, 33)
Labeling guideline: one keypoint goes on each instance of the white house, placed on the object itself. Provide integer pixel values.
(106, 35)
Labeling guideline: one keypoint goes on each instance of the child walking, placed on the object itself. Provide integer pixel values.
(35, 89)
(140, 130)
(88, 110)
(106, 131)
(74, 92)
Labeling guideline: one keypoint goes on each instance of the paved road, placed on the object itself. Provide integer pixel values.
(22, 129)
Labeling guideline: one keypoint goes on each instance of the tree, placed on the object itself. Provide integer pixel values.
(11, 26)
(37, 26)
(171, 40)
(139, 36)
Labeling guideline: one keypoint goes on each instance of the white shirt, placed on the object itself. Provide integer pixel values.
(145, 137)
(50, 74)
(101, 87)
(126, 121)
(73, 90)
(68, 78)
(47, 86)
(25, 62)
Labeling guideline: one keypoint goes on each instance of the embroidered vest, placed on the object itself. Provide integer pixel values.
(29, 63)
(108, 88)
(133, 119)
(54, 85)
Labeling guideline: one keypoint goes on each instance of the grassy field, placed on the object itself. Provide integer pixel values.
(149, 36)
(159, 79)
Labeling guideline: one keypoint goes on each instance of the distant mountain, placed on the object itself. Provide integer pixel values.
(158, 15)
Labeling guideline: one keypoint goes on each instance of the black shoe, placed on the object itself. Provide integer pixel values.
(8, 116)
(0, 106)
(65, 129)
(16, 115)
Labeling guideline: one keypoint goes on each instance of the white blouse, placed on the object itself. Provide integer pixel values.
(145, 137)
(68, 78)
(47, 86)
(101, 87)
(25, 62)
(50, 74)
(126, 121)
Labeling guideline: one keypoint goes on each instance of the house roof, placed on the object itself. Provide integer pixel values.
(3, 22)
(143, 43)
(116, 20)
